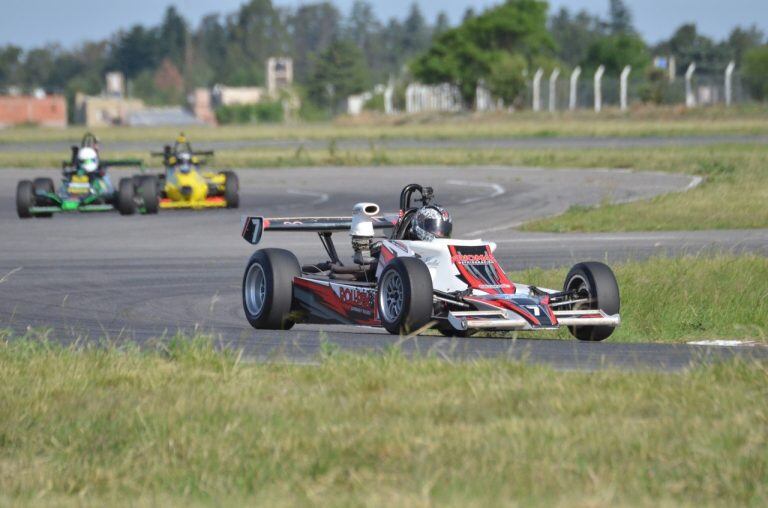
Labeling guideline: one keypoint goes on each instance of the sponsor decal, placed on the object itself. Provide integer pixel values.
(472, 259)
(358, 299)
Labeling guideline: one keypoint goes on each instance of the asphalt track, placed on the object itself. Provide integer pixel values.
(103, 276)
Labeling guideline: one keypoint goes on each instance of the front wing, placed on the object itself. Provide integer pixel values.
(211, 202)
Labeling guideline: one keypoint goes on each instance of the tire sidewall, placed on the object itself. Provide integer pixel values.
(603, 287)
(25, 199)
(279, 267)
(416, 311)
(231, 189)
(125, 197)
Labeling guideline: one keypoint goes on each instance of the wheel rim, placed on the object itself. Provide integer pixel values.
(391, 296)
(255, 289)
(579, 284)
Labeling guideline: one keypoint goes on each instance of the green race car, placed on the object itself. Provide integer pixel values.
(86, 187)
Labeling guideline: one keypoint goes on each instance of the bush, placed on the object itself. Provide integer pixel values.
(263, 112)
(756, 72)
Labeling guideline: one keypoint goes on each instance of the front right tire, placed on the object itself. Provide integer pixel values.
(126, 202)
(268, 289)
(596, 282)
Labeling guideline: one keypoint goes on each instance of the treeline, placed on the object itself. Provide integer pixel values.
(163, 62)
(503, 46)
(336, 55)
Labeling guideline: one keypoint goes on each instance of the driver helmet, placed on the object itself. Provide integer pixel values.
(185, 162)
(88, 159)
(432, 222)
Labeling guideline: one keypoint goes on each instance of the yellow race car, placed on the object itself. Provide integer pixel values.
(185, 185)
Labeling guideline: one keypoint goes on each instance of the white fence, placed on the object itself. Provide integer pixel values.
(556, 91)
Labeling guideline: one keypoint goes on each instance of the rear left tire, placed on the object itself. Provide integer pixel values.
(268, 289)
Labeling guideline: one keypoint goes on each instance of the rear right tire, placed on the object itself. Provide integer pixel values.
(126, 204)
(268, 289)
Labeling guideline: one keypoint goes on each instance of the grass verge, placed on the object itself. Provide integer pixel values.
(192, 426)
(681, 299)
(641, 123)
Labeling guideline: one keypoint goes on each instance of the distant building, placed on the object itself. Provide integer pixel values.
(202, 106)
(44, 110)
(279, 74)
(115, 85)
(102, 111)
(170, 116)
(237, 95)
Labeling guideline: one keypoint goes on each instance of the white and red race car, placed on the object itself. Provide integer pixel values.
(407, 284)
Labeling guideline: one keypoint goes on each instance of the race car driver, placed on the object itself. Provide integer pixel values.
(431, 222)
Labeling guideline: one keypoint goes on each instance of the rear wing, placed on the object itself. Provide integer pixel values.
(254, 227)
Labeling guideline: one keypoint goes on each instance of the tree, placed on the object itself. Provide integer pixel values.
(313, 27)
(416, 33)
(467, 54)
(574, 35)
(688, 46)
(135, 51)
(755, 72)
(620, 18)
(617, 51)
(10, 65)
(442, 24)
(365, 30)
(172, 39)
(339, 72)
(741, 40)
(507, 77)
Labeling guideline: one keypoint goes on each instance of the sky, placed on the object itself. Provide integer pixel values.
(31, 23)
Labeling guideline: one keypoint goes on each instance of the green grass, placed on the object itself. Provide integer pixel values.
(189, 426)
(733, 195)
(647, 122)
(682, 299)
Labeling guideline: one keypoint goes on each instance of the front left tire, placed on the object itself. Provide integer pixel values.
(404, 296)
(148, 192)
(25, 199)
(126, 202)
(231, 189)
